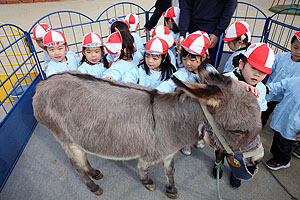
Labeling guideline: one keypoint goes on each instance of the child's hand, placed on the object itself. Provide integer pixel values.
(109, 77)
(298, 136)
(250, 88)
(109, 64)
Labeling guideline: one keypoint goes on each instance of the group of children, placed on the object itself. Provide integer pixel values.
(154, 64)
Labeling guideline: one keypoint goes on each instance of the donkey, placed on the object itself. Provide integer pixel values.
(123, 121)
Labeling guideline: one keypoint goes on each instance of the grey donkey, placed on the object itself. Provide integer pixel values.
(123, 121)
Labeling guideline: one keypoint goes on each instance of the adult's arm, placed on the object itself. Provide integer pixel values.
(160, 7)
(225, 19)
(186, 10)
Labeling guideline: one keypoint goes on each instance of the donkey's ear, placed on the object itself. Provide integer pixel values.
(208, 94)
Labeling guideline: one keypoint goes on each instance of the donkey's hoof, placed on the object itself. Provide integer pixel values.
(98, 191)
(172, 195)
(150, 187)
(98, 176)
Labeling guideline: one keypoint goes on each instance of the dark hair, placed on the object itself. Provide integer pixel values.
(245, 41)
(236, 59)
(175, 28)
(121, 26)
(293, 39)
(103, 59)
(167, 68)
(128, 41)
(185, 53)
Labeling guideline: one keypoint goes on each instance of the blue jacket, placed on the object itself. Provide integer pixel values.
(286, 117)
(184, 75)
(283, 67)
(71, 64)
(96, 70)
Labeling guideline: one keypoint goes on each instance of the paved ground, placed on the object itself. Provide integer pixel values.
(43, 171)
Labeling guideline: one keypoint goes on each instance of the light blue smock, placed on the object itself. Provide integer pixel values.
(71, 64)
(172, 58)
(283, 67)
(261, 88)
(118, 69)
(184, 75)
(136, 57)
(138, 41)
(286, 117)
(138, 75)
(176, 37)
(47, 59)
(96, 69)
(228, 65)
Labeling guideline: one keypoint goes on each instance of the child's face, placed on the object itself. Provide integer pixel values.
(251, 75)
(234, 45)
(40, 43)
(192, 63)
(58, 53)
(295, 51)
(153, 61)
(93, 54)
(169, 23)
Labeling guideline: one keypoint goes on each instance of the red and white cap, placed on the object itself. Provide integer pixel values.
(40, 30)
(173, 12)
(115, 19)
(260, 56)
(237, 29)
(196, 43)
(297, 34)
(114, 44)
(156, 46)
(164, 33)
(133, 21)
(92, 40)
(54, 38)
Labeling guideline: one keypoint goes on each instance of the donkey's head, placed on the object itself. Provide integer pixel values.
(235, 111)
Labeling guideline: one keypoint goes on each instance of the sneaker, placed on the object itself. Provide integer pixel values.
(215, 171)
(186, 150)
(234, 182)
(275, 166)
(296, 152)
(200, 144)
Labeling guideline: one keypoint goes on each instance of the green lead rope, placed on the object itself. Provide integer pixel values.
(219, 166)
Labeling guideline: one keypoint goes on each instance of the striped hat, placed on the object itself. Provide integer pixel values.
(260, 56)
(40, 30)
(114, 44)
(196, 43)
(156, 46)
(164, 33)
(115, 19)
(92, 40)
(297, 34)
(54, 38)
(173, 12)
(133, 21)
(237, 29)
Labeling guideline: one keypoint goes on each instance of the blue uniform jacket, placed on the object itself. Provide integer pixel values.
(96, 70)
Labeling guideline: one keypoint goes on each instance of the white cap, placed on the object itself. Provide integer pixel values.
(114, 44)
(92, 40)
(173, 12)
(54, 38)
(156, 46)
(133, 21)
(196, 43)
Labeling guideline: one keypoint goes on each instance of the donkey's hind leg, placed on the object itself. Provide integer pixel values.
(143, 168)
(169, 171)
(79, 162)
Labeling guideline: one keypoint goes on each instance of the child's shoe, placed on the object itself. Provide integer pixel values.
(234, 182)
(296, 152)
(215, 171)
(271, 164)
(200, 144)
(186, 150)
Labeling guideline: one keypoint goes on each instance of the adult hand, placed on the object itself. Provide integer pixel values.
(146, 30)
(213, 40)
(178, 45)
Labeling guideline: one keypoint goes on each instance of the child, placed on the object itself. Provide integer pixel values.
(133, 23)
(193, 55)
(238, 37)
(156, 67)
(253, 66)
(39, 31)
(61, 58)
(122, 47)
(92, 54)
(286, 65)
(164, 33)
(285, 121)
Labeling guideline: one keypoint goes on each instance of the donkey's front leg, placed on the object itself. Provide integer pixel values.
(169, 171)
(143, 168)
